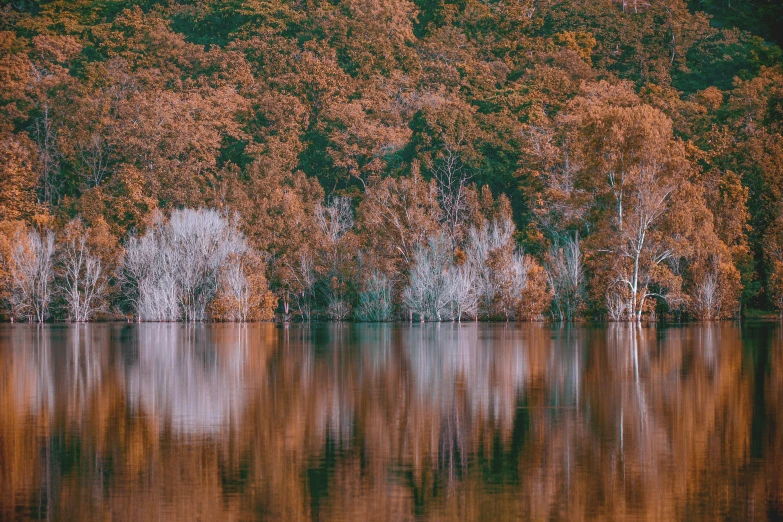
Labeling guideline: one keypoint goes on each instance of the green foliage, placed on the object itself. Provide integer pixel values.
(718, 60)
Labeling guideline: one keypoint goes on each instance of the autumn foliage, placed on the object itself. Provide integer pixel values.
(602, 159)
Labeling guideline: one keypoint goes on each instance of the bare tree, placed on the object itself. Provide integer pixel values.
(452, 180)
(32, 275)
(566, 277)
(94, 155)
(439, 290)
(238, 287)
(375, 302)
(707, 296)
(201, 242)
(159, 298)
(338, 309)
(428, 294)
(616, 303)
(303, 274)
(45, 134)
(146, 278)
(461, 286)
(82, 284)
(335, 218)
(638, 248)
(481, 242)
(513, 282)
(172, 271)
(491, 279)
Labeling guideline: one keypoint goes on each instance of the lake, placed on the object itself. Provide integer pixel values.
(391, 422)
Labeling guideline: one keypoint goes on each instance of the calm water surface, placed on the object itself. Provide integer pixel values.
(382, 422)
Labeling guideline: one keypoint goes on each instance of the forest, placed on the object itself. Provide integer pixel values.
(377, 160)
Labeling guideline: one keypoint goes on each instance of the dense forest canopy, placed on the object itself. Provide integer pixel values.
(376, 159)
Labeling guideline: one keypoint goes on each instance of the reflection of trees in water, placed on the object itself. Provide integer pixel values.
(378, 421)
(85, 366)
(48, 373)
(27, 350)
(667, 410)
(26, 401)
(463, 383)
(436, 401)
(190, 375)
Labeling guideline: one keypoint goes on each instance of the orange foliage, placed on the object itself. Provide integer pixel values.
(537, 296)
(17, 177)
(243, 294)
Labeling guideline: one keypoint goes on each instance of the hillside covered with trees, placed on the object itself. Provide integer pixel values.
(390, 159)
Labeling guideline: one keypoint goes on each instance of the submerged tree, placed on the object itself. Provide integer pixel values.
(461, 284)
(300, 278)
(499, 266)
(483, 244)
(147, 281)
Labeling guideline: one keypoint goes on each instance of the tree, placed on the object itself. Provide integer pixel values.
(395, 216)
(489, 251)
(32, 274)
(452, 181)
(461, 284)
(729, 207)
(201, 242)
(45, 134)
(499, 268)
(172, 271)
(336, 255)
(243, 294)
(375, 301)
(776, 286)
(633, 170)
(429, 294)
(82, 279)
(146, 278)
(17, 177)
(10, 232)
(566, 275)
(300, 278)
(278, 209)
(509, 269)
(536, 296)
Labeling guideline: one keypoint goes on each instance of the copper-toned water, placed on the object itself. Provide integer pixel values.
(391, 422)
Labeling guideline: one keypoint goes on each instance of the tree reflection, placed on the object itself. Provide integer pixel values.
(341, 421)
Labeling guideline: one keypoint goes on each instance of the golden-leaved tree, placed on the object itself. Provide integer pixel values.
(649, 227)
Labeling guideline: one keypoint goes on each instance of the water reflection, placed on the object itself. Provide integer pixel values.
(171, 421)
